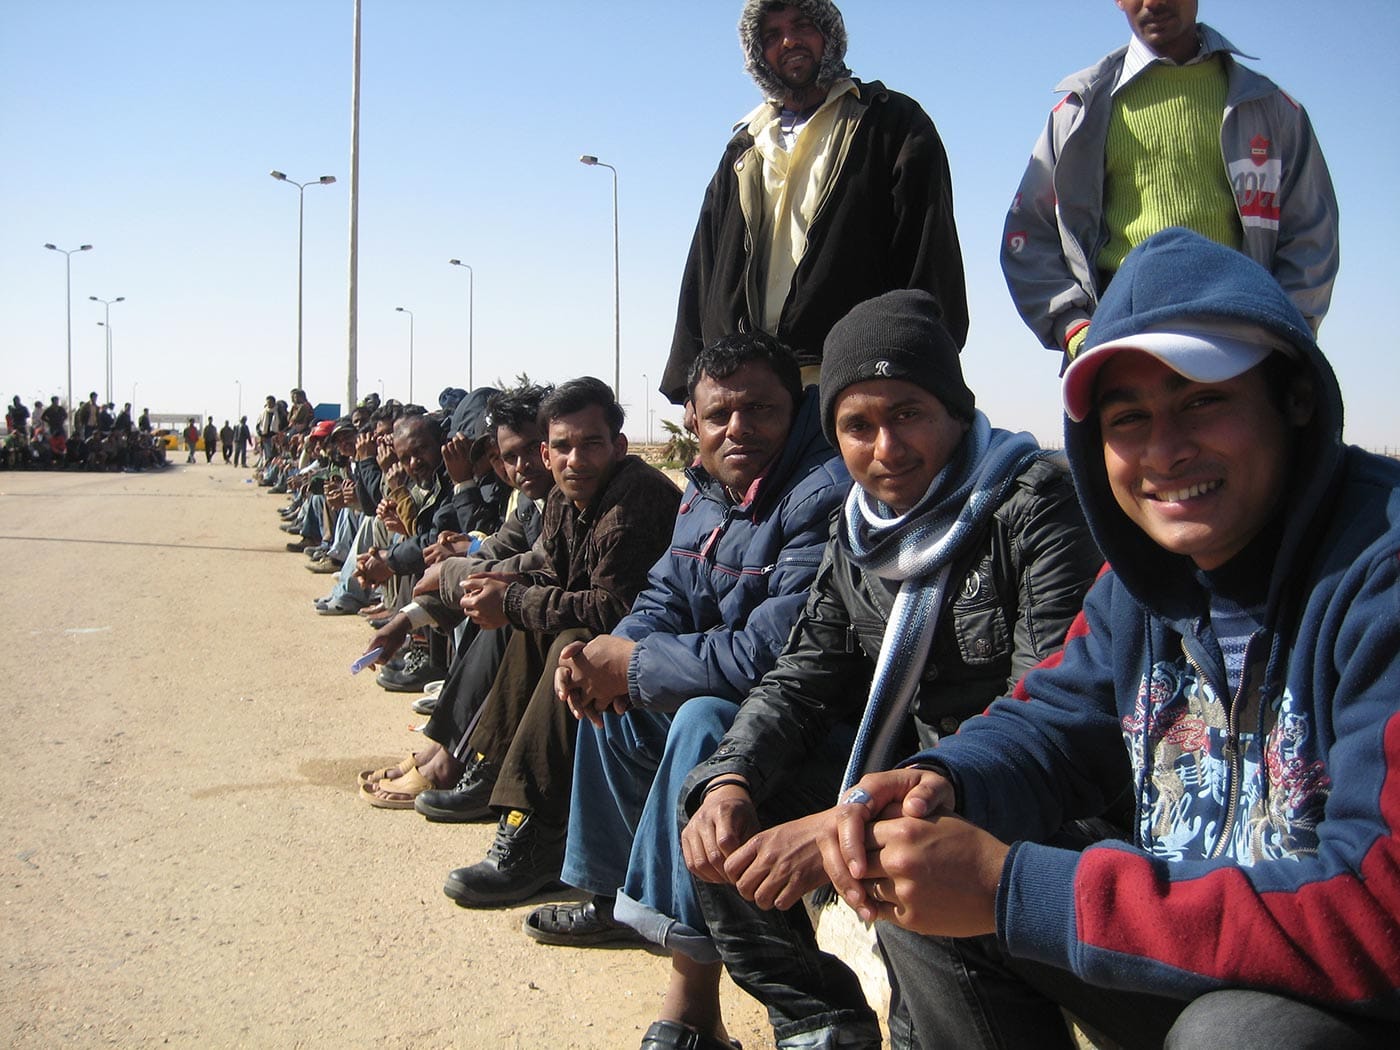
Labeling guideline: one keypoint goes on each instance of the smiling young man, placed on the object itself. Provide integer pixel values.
(957, 562)
(1235, 674)
(830, 192)
(605, 523)
(655, 696)
(1170, 130)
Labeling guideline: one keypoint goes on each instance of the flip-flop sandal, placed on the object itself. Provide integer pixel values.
(370, 776)
(411, 785)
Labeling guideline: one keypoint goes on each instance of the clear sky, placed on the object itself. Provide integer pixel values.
(147, 128)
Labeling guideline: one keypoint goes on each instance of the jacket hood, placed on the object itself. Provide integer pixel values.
(1177, 278)
(805, 448)
(823, 14)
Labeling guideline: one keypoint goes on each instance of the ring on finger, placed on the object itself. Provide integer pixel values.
(856, 797)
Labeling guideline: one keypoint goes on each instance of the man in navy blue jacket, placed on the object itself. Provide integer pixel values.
(714, 617)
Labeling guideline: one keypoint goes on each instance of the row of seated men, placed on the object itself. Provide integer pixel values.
(699, 707)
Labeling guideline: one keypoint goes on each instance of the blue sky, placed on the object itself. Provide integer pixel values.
(147, 129)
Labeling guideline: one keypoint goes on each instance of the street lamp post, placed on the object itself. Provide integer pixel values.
(471, 315)
(594, 162)
(324, 180)
(404, 310)
(239, 384)
(107, 322)
(646, 390)
(68, 267)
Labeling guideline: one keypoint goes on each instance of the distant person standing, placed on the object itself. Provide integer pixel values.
(241, 439)
(301, 416)
(226, 441)
(211, 439)
(833, 191)
(269, 423)
(87, 416)
(1168, 131)
(55, 417)
(191, 439)
(144, 423)
(17, 418)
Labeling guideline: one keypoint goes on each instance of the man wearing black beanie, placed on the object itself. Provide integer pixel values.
(957, 563)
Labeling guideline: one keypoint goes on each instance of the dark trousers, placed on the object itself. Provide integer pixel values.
(969, 994)
(526, 731)
(240, 454)
(466, 687)
(773, 955)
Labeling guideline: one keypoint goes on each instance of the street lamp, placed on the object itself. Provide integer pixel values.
(594, 162)
(107, 321)
(646, 390)
(471, 315)
(239, 384)
(324, 180)
(402, 310)
(68, 267)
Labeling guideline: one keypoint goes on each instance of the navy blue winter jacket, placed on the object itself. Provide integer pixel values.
(720, 603)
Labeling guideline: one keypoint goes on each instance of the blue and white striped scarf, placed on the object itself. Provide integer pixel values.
(918, 549)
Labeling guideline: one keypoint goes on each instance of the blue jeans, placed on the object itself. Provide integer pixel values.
(969, 993)
(624, 840)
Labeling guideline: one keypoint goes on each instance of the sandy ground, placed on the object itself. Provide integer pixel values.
(186, 861)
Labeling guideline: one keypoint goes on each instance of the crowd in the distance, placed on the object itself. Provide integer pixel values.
(100, 438)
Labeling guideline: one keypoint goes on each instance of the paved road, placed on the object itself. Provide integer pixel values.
(186, 862)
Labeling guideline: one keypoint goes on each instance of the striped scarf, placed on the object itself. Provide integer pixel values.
(918, 549)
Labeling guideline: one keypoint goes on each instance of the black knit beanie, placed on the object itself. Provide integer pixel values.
(898, 335)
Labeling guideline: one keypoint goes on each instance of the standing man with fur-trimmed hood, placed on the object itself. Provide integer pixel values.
(831, 192)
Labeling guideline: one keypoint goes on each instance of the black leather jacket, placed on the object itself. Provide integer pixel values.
(1021, 586)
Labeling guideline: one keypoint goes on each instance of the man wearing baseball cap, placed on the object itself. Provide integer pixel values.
(1236, 674)
(957, 562)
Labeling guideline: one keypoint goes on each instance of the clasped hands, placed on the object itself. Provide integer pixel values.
(896, 853)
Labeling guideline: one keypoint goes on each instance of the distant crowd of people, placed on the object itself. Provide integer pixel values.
(99, 437)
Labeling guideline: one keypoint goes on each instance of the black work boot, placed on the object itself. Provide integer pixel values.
(469, 801)
(525, 858)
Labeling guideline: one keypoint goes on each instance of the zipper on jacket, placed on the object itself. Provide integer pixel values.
(1232, 745)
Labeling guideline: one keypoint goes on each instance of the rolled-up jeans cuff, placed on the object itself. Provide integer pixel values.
(664, 930)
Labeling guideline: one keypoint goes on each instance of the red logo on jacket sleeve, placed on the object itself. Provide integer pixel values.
(1259, 150)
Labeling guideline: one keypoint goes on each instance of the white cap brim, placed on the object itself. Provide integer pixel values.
(1203, 356)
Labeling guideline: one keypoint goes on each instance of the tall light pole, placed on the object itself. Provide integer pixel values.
(594, 162)
(239, 384)
(324, 180)
(68, 267)
(107, 321)
(646, 389)
(403, 310)
(471, 316)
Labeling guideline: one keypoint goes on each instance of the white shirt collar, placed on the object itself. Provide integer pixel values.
(1140, 56)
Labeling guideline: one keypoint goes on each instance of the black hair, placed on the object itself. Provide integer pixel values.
(727, 355)
(578, 394)
(516, 407)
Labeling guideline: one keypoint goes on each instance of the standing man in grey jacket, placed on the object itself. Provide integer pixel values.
(1168, 131)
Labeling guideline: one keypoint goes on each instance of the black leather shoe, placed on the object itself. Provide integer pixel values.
(417, 671)
(672, 1035)
(469, 801)
(525, 858)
